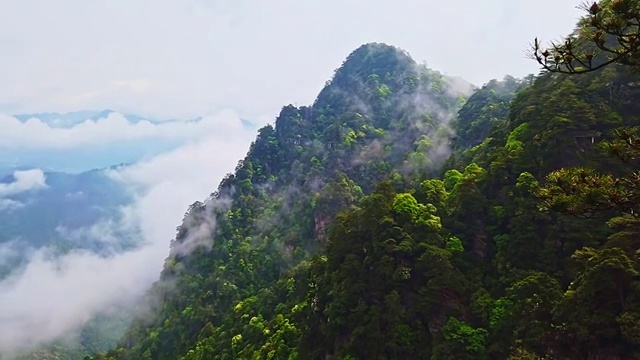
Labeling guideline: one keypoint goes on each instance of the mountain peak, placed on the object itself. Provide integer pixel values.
(375, 50)
(377, 59)
(377, 73)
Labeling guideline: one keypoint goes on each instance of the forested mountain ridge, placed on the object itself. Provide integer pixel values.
(484, 108)
(380, 116)
(345, 234)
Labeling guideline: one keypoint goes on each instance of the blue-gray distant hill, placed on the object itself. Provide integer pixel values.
(60, 215)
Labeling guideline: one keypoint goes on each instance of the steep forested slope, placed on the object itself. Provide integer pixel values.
(229, 288)
(468, 267)
(336, 237)
(555, 123)
(484, 109)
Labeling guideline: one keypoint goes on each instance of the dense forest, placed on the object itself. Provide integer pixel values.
(399, 218)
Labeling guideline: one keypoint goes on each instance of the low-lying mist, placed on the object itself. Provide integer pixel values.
(53, 297)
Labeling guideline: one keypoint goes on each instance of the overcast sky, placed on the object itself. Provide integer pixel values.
(193, 57)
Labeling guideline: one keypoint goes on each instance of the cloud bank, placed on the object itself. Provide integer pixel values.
(51, 298)
(24, 181)
(36, 134)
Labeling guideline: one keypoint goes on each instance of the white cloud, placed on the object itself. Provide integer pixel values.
(49, 299)
(9, 251)
(8, 204)
(35, 134)
(24, 181)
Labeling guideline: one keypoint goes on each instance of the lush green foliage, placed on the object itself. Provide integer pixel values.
(336, 236)
(485, 110)
(382, 116)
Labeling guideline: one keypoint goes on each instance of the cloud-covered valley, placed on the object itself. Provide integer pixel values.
(52, 297)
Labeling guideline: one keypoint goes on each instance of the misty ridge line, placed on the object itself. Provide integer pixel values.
(199, 222)
(198, 228)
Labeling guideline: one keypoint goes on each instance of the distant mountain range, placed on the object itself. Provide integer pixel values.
(70, 119)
